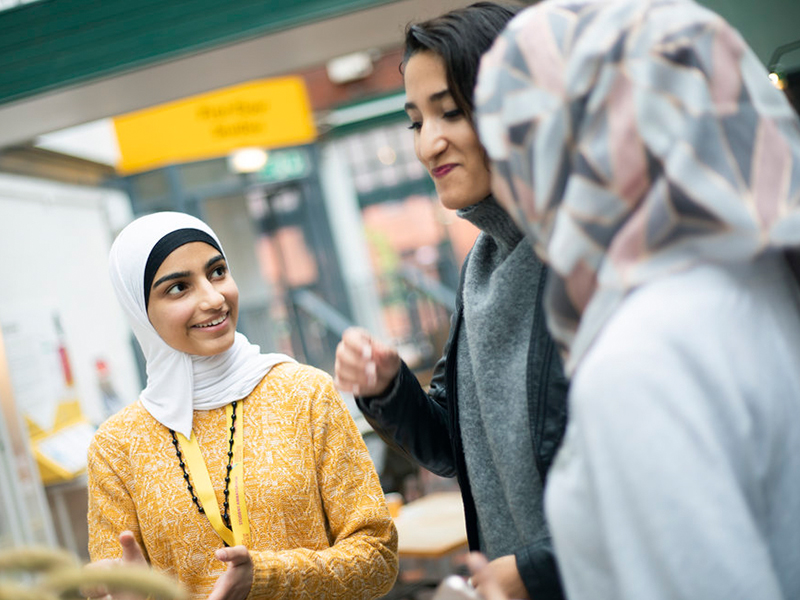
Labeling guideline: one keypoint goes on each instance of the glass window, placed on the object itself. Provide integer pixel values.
(382, 157)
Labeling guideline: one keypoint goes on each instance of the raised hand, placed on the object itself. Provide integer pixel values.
(364, 366)
(132, 555)
(235, 583)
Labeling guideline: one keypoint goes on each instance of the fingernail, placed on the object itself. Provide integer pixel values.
(367, 351)
(372, 373)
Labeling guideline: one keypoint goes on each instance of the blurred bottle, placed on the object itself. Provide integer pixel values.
(66, 368)
(68, 406)
(111, 400)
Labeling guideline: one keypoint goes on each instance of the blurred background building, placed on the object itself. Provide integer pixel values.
(281, 125)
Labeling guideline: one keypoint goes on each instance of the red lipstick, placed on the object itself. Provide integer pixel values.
(443, 170)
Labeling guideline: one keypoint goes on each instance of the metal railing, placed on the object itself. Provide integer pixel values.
(316, 326)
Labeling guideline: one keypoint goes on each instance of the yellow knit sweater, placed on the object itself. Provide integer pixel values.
(318, 521)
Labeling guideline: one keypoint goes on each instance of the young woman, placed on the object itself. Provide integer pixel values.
(495, 411)
(657, 171)
(240, 474)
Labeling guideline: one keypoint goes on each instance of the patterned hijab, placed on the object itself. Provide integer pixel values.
(178, 383)
(632, 139)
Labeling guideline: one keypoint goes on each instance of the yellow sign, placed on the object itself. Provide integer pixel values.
(268, 113)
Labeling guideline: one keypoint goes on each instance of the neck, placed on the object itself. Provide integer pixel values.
(488, 216)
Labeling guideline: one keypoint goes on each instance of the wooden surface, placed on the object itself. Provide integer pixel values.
(432, 526)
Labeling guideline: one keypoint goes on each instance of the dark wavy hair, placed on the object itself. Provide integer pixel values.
(460, 37)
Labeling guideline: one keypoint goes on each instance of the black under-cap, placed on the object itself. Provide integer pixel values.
(165, 246)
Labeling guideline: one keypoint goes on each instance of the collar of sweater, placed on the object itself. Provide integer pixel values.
(488, 216)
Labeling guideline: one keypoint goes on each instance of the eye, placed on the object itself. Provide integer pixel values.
(415, 125)
(454, 114)
(219, 271)
(176, 289)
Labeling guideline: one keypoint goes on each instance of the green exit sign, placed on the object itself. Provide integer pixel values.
(285, 165)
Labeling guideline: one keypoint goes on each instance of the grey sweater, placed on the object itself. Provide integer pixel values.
(492, 356)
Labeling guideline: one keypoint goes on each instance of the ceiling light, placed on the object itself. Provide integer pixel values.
(247, 160)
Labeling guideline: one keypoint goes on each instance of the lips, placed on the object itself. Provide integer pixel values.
(219, 320)
(443, 170)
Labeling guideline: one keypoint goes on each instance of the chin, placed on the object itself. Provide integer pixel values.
(460, 202)
(461, 196)
(215, 348)
(227, 346)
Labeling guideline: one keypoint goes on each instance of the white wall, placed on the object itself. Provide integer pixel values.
(54, 242)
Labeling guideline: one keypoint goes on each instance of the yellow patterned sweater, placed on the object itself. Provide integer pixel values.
(318, 520)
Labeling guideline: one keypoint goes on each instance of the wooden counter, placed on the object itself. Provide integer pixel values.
(432, 526)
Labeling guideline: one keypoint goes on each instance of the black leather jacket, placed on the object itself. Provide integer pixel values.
(426, 427)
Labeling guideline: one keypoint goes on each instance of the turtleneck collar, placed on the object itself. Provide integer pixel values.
(488, 216)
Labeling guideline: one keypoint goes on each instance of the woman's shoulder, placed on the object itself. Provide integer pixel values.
(126, 417)
(297, 389)
(294, 376)
(711, 323)
(124, 425)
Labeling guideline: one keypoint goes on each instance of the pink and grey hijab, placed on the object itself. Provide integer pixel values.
(632, 139)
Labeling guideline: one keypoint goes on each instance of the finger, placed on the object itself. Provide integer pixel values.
(476, 561)
(356, 338)
(131, 552)
(382, 352)
(104, 563)
(341, 385)
(482, 577)
(94, 592)
(346, 377)
(234, 556)
(358, 345)
(388, 363)
(219, 590)
(371, 373)
(349, 365)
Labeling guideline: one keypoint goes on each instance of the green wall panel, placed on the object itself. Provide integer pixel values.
(765, 24)
(53, 43)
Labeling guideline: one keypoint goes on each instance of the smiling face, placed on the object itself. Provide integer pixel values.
(444, 140)
(194, 301)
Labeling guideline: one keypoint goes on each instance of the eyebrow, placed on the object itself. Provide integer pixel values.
(182, 274)
(433, 98)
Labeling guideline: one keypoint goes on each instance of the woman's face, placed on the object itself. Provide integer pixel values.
(444, 140)
(194, 301)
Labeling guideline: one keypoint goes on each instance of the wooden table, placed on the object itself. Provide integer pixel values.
(429, 528)
(432, 526)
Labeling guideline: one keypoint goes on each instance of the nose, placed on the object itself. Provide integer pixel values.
(211, 298)
(431, 142)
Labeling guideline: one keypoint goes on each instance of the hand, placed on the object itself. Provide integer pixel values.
(132, 555)
(497, 580)
(235, 583)
(364, 366)
(131, 552)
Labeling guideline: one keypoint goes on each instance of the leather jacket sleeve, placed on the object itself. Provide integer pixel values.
(415, 422)
(538, 569)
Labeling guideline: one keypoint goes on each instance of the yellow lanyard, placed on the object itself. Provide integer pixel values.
(205, 491)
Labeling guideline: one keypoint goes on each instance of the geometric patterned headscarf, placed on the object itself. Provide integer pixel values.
(631, 139)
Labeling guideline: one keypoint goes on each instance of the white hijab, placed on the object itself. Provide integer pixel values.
(177, 382)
